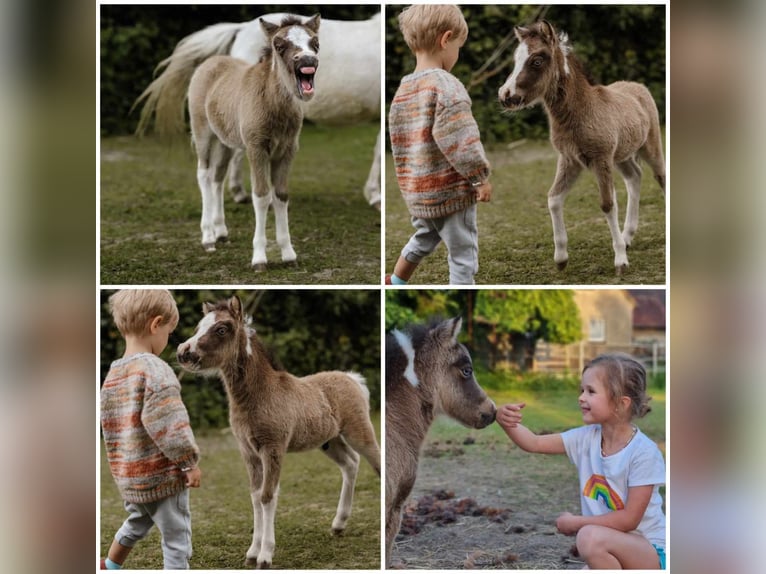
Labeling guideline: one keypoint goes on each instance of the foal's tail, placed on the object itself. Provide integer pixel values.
(362, 384)
(166, 95)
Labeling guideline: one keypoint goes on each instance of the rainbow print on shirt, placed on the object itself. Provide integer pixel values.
(598, 488)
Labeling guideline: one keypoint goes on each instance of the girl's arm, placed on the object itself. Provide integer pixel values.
(509, 418)
(624, 520)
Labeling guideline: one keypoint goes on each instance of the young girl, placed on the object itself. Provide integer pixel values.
(622, 525)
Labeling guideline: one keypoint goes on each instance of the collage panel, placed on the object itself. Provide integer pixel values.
(280, 184)
(529, 140)
(250, 418)
(481, 384)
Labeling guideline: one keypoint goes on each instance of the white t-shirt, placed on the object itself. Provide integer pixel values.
(605, 480)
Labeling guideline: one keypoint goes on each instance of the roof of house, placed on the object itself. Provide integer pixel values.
(649, 312)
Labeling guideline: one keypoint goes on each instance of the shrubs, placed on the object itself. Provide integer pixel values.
(508, 377)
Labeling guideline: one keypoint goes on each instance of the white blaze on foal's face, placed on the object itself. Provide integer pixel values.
(405, 343)
(202, 328)
(520, 57)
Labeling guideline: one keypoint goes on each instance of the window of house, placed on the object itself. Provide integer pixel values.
(597, 330)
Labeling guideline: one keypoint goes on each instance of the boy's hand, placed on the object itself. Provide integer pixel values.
(509, 416)
(192, 477)
(484, 192)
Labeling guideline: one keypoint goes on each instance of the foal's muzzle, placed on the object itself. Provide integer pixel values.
(305, 70)
(187, 357)
(514, 101)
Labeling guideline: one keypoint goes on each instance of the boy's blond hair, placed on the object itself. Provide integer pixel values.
(133, 309)
(423, 24)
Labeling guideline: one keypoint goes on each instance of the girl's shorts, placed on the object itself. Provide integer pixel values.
(661, 553)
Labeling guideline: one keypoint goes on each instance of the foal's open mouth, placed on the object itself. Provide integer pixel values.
(305, 77)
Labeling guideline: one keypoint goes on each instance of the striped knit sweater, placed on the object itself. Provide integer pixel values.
(146, 428)
(435, 143)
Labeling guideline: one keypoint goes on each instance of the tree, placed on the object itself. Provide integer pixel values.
(514, 320)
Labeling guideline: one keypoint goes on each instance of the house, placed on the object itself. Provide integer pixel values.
(613, 320)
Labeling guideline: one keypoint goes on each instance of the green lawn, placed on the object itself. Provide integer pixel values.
(151, 207)
(222, 515)
(515, 233)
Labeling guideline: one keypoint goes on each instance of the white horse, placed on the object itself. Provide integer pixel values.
(348, 81)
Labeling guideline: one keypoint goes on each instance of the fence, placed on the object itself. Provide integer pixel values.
(552, 358)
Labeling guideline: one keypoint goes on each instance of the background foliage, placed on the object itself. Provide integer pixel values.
(495, 323)
(308, 331)
(614, 42)
(135, 38)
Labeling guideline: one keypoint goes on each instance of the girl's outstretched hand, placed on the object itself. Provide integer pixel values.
(509, 416)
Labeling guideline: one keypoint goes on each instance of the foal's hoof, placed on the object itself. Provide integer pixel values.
(258, 267)
(620, 269)
(338, 531)
(263, 565)
(561, 265)
(209, 247)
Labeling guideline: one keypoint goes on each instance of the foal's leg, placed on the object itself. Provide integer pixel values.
(279, 171)
(602, 170)
(212, 157)
(372, 187)
(630, 170)
(360, 435)
(255, 472)
(260, 176)
(272, 466)
(567, 171)
(348, 461)
(236, 185)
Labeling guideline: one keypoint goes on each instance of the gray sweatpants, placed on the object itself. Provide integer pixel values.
(461, 237)
(172, 517)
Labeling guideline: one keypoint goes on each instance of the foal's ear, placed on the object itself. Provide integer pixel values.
(207, 307)
(313, 23)
(449, 330)
(547, 31)
(521, 32)
(268, 27)
(235, 307)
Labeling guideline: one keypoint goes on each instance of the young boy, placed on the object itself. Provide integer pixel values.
(149, 442)
(440, 163)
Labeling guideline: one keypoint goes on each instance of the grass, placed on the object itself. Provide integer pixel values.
(515, 234)
(151, 207)
(222, 514)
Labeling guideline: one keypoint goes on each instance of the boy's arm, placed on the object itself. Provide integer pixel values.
(457, 135)
(509, 418)
(165, 418)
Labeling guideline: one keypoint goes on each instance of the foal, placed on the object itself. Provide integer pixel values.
(273, 412)
(592, 126)
(427, 372)
(258, 108)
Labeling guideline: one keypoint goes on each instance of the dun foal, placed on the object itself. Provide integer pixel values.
(427, 372)
(596, 127)
(235, 105)
(273, 412)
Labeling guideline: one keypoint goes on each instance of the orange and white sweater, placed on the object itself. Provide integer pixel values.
(146, 428)
(435, 143)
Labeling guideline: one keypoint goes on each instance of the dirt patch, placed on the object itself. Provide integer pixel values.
(472, 508)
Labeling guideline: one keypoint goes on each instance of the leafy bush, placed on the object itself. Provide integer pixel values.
(507, 377)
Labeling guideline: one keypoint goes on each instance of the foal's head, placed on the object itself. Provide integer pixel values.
(436, 358)
(221, 336)
(540, 60)
(294, 47)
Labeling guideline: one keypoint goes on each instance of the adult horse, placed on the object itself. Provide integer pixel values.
(348, 81)
(592, 126)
